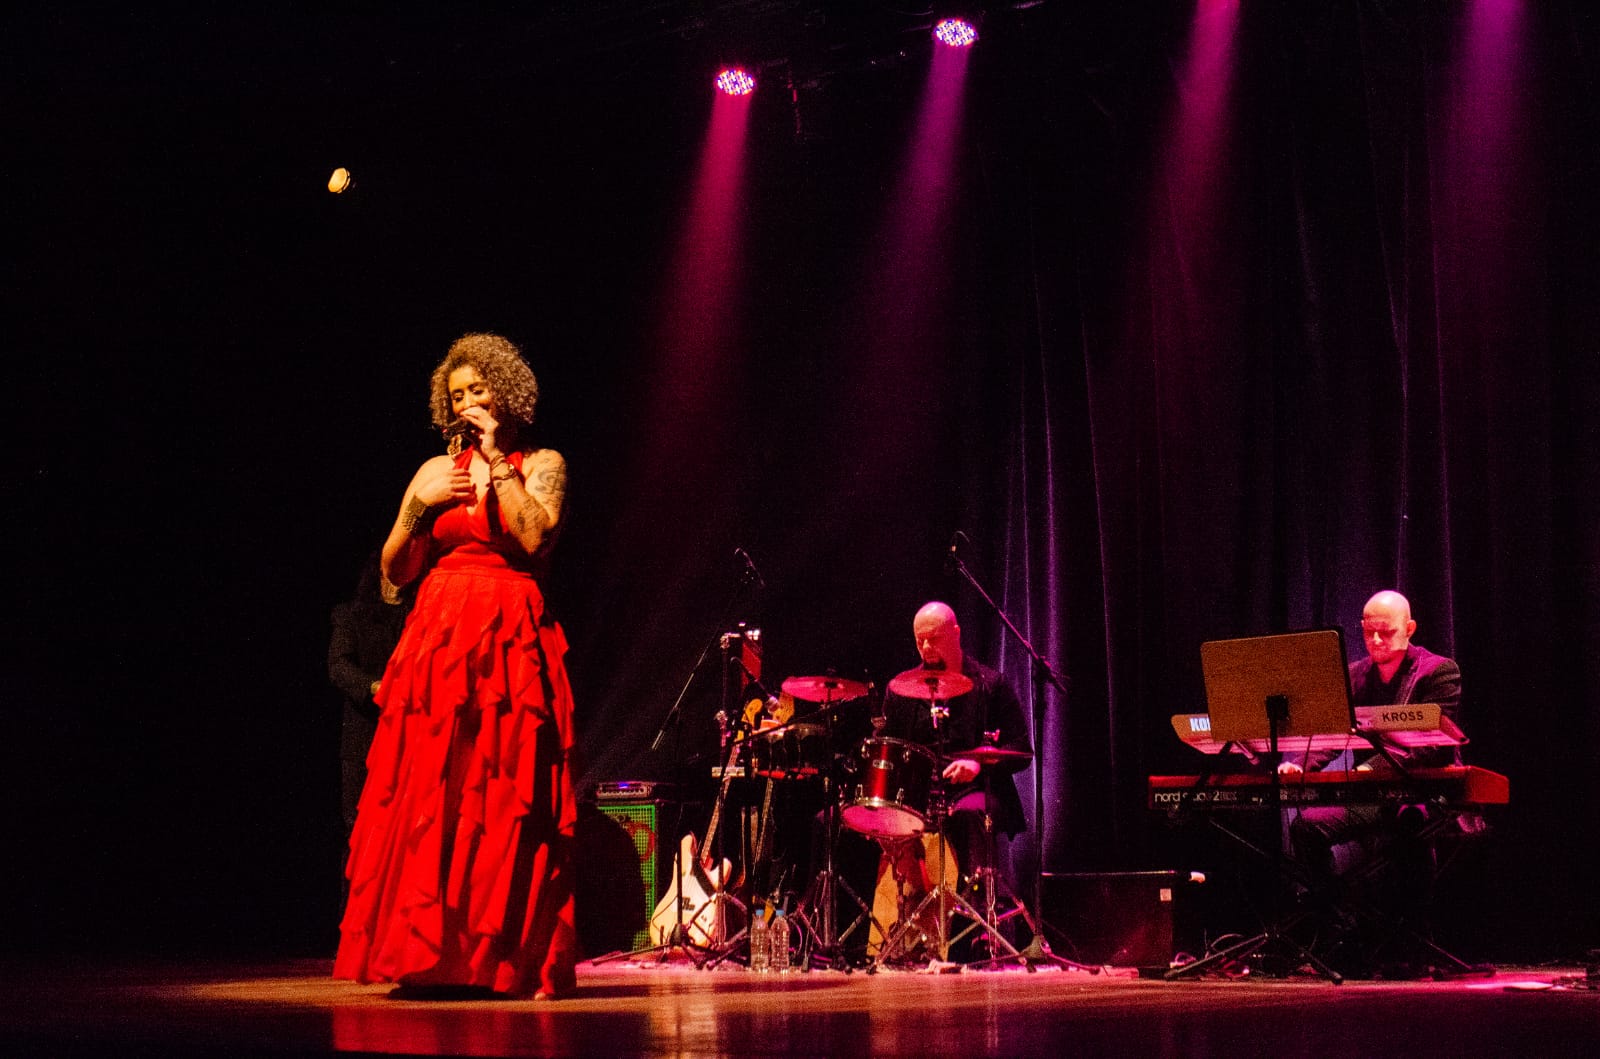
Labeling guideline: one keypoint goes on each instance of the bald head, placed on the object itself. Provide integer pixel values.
(1386, 629)
(938, 636)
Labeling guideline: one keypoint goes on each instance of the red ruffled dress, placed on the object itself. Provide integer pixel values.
(461, 858)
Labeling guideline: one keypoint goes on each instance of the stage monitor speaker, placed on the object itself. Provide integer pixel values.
(1117, 919)
(624, 864)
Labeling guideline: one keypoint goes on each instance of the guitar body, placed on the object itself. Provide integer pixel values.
(697, 881)
(692, 887)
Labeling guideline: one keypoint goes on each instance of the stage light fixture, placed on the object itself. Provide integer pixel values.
(735, 81)
(340, 181)
(955, 32)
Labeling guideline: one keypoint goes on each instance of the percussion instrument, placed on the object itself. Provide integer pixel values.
(889, 798)
(907, 870)
(932, 684)
(990, 755)
(824, 689)
(793, 751)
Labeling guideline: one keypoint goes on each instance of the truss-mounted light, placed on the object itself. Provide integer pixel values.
(735, 81)
(955, 33)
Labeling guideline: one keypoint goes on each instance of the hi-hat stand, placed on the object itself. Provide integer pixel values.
(1037, 951)
(990, 884)
(821, 941)
(817, 914)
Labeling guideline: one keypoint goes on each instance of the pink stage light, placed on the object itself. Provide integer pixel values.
(955, 32)
(733, 81)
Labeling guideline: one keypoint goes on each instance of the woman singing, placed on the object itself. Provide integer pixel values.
(461, 858)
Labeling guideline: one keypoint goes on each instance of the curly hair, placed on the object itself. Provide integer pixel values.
(516, 390)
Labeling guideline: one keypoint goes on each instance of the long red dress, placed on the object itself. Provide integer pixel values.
(461, 858)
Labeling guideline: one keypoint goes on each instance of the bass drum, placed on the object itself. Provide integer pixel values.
(889, 798)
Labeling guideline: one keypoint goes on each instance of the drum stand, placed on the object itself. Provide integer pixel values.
(895, 945)
(989, 879)
(817, 912)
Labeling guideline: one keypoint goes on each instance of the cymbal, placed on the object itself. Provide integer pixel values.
(921, 683)
(824, 689)
(990, 755)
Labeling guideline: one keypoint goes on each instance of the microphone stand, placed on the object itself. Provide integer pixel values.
(715, 639)
(1037, 951)
(678, 940)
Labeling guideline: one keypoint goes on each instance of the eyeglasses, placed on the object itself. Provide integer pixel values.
(1381, 632)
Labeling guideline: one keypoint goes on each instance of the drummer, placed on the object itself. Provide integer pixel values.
(985, 719)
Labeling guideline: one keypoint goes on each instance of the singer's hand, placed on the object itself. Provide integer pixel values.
(961, 770)
(479, 417)
(444, 483)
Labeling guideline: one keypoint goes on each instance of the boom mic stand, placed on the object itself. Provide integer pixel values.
(678, 940)
(1037, 951)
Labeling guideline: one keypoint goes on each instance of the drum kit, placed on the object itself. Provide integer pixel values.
(890, 791)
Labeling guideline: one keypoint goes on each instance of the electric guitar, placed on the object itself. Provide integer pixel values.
(698, 878)
(761, 847)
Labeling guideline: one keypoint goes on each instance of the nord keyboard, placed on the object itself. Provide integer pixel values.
(1409, 725)
(1455, 785)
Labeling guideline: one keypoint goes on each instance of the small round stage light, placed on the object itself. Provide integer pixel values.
(955, 32)
(340, 181)
(735, 82)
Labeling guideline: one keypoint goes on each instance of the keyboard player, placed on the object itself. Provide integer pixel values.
(1345, 840)
(1395, 672)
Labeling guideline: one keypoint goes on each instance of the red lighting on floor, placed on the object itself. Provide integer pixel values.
(955, 32)
(735, 82)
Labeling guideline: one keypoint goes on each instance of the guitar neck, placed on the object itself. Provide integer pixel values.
(707, 860)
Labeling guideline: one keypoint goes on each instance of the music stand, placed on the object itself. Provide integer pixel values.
(1282, 686)
(1274, 688)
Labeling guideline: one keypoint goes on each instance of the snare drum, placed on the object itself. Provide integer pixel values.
(797, 751)
(889, 798)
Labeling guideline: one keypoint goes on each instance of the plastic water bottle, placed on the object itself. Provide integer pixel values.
(780, 941)
(760, 943)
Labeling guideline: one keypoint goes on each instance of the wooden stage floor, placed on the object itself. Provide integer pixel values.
(88, 1007)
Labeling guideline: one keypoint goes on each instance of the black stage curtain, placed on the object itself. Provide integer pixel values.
(1220, 325)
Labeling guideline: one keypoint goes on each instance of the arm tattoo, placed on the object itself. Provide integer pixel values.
(532, 513)
(551, 482)
(549, 485)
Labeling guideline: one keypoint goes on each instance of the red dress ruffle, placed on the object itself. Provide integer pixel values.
(460, 862)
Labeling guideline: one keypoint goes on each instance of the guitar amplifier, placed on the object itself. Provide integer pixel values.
(1118, 919)
(624, 866)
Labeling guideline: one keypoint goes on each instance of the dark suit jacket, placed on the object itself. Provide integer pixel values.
(1422, 677)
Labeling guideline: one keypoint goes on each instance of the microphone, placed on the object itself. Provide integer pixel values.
(458, 435)
(750, 570)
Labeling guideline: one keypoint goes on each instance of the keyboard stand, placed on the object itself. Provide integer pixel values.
(1276, 934)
